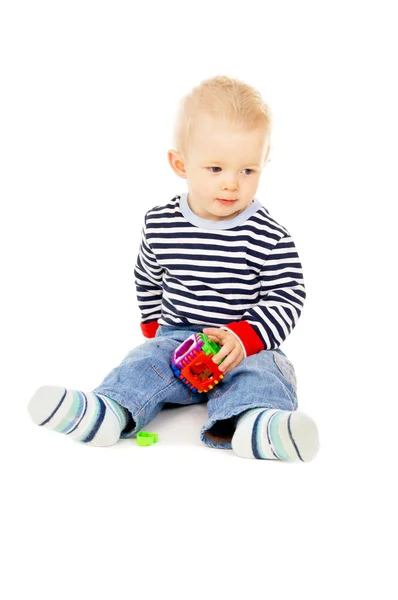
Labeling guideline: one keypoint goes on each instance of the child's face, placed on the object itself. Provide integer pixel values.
(222, 164)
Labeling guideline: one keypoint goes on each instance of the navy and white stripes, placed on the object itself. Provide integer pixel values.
(229, 272)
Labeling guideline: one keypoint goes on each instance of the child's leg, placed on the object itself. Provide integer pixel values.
(144, 381)
(254, 412)
(130, 396)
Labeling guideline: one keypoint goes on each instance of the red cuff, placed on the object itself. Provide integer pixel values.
(149, 329)
(247, 335)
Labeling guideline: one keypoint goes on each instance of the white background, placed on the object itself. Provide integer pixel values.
(88, 96)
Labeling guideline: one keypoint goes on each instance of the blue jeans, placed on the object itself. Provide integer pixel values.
(144, 383)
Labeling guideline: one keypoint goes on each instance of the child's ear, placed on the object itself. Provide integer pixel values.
(267, 158)
(176, 163)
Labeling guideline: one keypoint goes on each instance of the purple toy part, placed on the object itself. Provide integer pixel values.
(186, 350)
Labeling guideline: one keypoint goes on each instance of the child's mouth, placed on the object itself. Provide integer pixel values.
(226, 202)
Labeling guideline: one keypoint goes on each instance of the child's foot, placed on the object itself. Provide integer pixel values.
(91, 418)
(281, 434)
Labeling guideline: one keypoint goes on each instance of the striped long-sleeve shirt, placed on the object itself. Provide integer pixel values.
(242, 274)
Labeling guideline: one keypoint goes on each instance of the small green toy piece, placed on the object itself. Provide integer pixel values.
(144, 438)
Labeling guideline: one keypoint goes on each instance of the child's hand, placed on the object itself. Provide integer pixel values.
(230, 347)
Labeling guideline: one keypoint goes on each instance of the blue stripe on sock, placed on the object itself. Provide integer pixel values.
(83, 413)
(292, 438)
(257, 440)
(55, 410)
(245, 414)
(276, 438)
(72, 415)
(119, 411)
(269, 436)
(99, 417)
(81, 416)
(255, 436)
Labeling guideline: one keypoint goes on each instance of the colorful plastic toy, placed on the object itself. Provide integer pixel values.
(144, 438)
(192, 362)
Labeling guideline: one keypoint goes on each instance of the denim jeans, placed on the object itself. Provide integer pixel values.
(144, 383)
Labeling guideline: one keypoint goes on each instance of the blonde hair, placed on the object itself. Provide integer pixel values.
(234, 102)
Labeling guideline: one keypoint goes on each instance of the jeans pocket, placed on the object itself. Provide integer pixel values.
(286, 368)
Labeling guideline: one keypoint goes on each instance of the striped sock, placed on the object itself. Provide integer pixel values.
(275, 434)
(91, 418)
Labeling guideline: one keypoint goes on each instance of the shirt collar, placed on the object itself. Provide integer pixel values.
(208, 223)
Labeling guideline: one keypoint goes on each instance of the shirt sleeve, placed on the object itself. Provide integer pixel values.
(148, 282)
(267, 324)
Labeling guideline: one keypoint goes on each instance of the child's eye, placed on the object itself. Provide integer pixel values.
(251, 170)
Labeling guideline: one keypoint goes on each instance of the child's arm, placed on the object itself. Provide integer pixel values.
(266, 325)
(148, 281)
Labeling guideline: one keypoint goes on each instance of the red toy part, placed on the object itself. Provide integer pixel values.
(201, 372)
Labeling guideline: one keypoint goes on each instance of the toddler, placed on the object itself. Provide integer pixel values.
(211, 260)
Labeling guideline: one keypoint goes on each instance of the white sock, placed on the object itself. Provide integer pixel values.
(275, 434)
(91, 418)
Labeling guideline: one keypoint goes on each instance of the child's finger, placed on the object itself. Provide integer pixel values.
(231, 364)
(226, 351)
(212, 338)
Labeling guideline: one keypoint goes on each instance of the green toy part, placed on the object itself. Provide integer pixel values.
(210, 347)
(144, 438)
